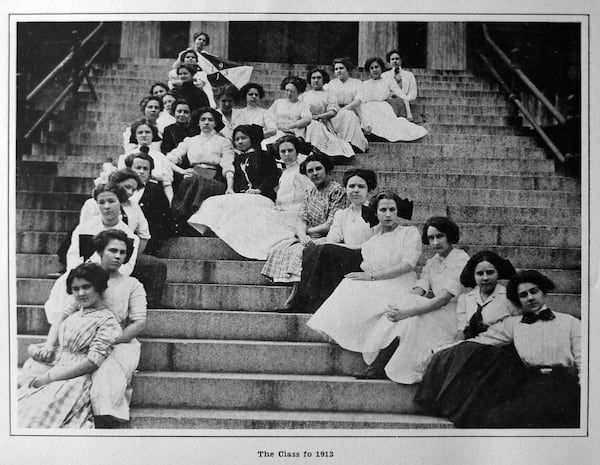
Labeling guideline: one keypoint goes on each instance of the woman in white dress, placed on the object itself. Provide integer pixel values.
(320, 133)
(414, 323)
(273, 223)
(389, 259)
(292, 115)
(377, 116)
(253, 113)
(347, 122)
(406, 81)
(166, 118)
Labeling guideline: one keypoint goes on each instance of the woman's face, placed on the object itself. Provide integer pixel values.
(287, 153)
(207, 122)
(84, 292)
(152, 110)
(182, 113)
(317, 174)
(531, 297)
(158, 91)
(109, 205)
(168, 103)
(375, 70)
(184, 74)
(438, 241)
(190, 58)
(225, 103)
(316, 81)
(395, 60)
(357, 190)
(340, 71)
(113, 255)
(142, 169)
(242, 141)
(200, 42)
(486, 276)
(252, 97)
(130, 185)
(387, 213)
(143, 135)
(291, 92)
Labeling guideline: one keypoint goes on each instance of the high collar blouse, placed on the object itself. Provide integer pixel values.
(495, 307)
(212, 149)
(345, 92)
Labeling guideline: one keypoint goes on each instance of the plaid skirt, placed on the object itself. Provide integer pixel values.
(284, 262)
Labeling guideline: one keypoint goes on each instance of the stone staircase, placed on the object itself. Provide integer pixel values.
(216, 355)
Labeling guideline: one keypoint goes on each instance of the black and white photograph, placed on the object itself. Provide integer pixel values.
(300, 233)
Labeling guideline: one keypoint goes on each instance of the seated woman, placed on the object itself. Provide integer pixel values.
(520, 373)
(486, 303)
(284, 262)
(253, 113)
(320, 133)
(226, 96)
(151, 107)
(180, 129)
(292, 115)
(153, 202)
(325, 265)
(255, 177)
(165, 117)
(389, 258)
(406, 81)
(270, 224)
(186, 89)
(211, 157)
(400, 344)
(376, 115)
(125, 297)
(59, 397)
(143, 133)
(158, 89)
(347, 122)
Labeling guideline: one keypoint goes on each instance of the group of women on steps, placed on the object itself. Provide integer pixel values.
(482, 357)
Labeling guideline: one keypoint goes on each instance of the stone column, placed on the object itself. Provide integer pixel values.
(218, 32)
(376, 39)
(140, 39)
(447, 46)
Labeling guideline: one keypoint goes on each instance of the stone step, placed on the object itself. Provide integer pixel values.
(270, 392)
(31, 183)
(256, 298)
(238, 356)
(161, 418)
(231, 271)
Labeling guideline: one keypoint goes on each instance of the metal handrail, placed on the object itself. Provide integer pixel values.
(521, 75)
(80, 72)
(62, 64)
(513, 98)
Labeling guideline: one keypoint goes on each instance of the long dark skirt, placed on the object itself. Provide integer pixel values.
(323, 268)
(190, 194)
(462, 382)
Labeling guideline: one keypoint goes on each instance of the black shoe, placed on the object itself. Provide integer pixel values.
(373, 371)
(106, 422)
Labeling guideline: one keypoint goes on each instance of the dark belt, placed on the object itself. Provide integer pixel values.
(557, 370)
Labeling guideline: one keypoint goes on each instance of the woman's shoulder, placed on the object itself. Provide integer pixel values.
(458, 255)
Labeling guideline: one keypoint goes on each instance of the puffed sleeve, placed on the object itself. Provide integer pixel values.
(107, 333)
(456, 263)
(576, 343)
(305, 112)
(337, 200)
(60, 304)
(424, 281)
(412, 247)
(332, 102)
(142, 230)
(395, 89)
(176, 155)
(461, 312)
(410, 88)
(336, 232)
(302, 186)
(73, 256)
(137, 306)
(89, 210)
(227, 156)
(269, 123)
(499, 333)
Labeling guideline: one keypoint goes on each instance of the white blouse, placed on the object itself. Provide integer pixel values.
(136, 220)
(255, 115)
(349, 228)
(162, 171)
(213, 149)
(292, 187)
(495, 307)
(345, 92)
(442, 274)
(548, 343)
(379, 90)
(409, 83)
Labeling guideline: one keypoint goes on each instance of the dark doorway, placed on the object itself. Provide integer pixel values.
(174, 37)
(412, 44)
(292, 41)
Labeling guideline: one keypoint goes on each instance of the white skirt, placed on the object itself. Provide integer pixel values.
(382, 120)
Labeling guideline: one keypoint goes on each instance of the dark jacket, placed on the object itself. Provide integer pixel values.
(261, 172)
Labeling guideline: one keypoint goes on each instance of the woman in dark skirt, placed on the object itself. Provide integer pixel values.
(324, 266)
(521, 373)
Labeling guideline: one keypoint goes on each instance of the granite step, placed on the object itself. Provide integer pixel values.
(162, 418)
(255, 298)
